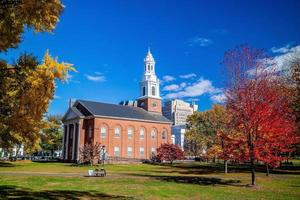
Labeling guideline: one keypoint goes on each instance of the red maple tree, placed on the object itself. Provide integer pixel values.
(264, 128)
(169, 152)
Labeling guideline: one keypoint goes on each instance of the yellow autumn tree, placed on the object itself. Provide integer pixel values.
(16, 15)
(26, 120)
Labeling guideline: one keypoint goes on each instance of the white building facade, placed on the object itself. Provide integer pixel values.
(178, 111)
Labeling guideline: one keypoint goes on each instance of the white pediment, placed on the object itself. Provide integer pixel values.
(70, 114)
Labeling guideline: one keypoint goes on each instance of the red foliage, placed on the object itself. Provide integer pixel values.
(261, 118)
(169, 152)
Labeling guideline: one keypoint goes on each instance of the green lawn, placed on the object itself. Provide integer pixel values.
(143, 181)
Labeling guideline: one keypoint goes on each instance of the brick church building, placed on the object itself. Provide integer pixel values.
(133, 130)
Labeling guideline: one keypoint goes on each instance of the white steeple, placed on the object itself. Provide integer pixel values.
(149, 86)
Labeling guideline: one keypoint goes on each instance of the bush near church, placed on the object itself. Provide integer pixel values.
(169, 152)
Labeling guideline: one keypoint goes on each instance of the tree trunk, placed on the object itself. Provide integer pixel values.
(252, 172)
(268, 171)
(225, 166)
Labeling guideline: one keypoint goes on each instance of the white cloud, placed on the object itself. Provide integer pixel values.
(56, 97)
(95, 78)
(188, 75)
(172, 87)
(279, 63)
(182, 85)
(284, 49)
(70, 79)
(198, 88)
(218, 98)
(168, 78)
(282, 61)
(200, 41)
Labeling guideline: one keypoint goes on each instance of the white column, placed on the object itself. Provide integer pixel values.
(73, 142)
(67, 142)
(63, 142)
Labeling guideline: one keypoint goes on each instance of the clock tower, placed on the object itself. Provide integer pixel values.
(149, 98)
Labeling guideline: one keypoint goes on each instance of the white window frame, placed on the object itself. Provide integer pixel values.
(117, 151)
(101, 131)
(164, 135)
(131, 131)
(142, 136)
(129, 151)
(153, 134)
(120, 131)
(153, 150)
(142, 151)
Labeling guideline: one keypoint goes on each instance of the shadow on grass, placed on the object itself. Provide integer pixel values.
(7, 164)
(12, 192)
(218, 168)
(193, 180)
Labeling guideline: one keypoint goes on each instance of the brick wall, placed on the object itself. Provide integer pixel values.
(123, 142)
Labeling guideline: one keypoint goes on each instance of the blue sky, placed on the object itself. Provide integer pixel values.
(107, 41)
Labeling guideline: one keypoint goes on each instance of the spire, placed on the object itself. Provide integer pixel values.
(149, 57)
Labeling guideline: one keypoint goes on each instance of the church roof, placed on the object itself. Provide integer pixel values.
(99, 109)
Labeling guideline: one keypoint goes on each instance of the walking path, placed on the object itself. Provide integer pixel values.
(47, 174)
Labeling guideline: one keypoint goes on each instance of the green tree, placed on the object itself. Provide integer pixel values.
(51, 138)
(199, 135)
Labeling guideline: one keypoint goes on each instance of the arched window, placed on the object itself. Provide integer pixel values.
(117, 131)
(144, 91)
(142, 133)
(103, 131)
(153, 133)
(164, 135)
(153, 90)
(130, 132)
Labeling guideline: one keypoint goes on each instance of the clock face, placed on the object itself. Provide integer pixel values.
(154, 104)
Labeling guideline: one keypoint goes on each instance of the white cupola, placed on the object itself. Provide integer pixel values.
(149, 86)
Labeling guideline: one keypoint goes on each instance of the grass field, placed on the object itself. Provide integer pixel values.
(27, 180)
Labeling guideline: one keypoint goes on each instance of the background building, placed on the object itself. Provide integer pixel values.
(178, 111)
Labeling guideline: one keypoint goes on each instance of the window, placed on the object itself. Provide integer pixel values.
(130, 132)
(142, 151)
(90, 131)
(154, 104)
(129, 151)
(117, 132)
(153, 133)
(142, 133)
(117, 151)
(163, 135)
(103, 132)
(153, 91)
(144, 91)
(153, 150)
